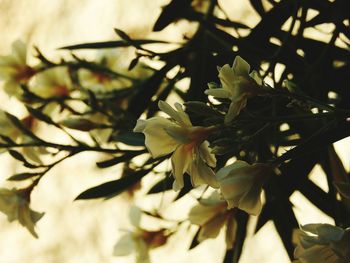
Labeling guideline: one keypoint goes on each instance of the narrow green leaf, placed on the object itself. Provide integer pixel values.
(162, 186)
(113, 188)
(22, 176)
(114, 44)
(118, 159)
(18, 156)
(130, 138)
(133, 63)
(16, 122)
(40, 116)
(195, 241)
(7, 139)
(122, 34)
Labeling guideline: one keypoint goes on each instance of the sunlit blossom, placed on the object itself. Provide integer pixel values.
(53, 82)
(237, 85)
(323, 243)
(138, 240)
(187, 143)
(9, 131)
(212, 214)
(14, 69)
(15, 204)
(241, 185)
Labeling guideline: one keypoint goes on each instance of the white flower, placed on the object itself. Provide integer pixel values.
(323, 243)
(15, 204)
(10, 131)
(212, 215)
(237, 86)
(139, 240)
(102, 82)
(53, 82)
(14, 69)
(241, 185)
(190, 150)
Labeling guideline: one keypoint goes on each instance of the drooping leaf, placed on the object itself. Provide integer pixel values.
(118, 159)
(162, 186)
(114, 44)
(113, 188)
(195, 241)
(171, 13)
(130, 138)
(23, 176)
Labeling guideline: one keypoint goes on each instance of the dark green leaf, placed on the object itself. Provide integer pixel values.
(22, 176)
(122, 34)
(258, 6)
(195, 241)
(15, 121)
(118, 159)
(6, 139)
(114, 44)
(170, 13)
(19, 157)
(133, 63)
(130, 138)
(40, 116)
(162, 186)
(113, 188)
(147, 90)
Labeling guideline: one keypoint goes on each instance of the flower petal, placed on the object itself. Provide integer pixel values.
(206, 155)
(124, 246)
(255, 75)
(220, 93)
(212, 228)
(200, 214)
(180, 161)
(179, 116)
(201, 174)
(251, 202)
(157, 140)
(178, 133)
(240, 66)
(234, 109)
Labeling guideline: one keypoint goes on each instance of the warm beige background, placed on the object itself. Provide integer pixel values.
(74, 232)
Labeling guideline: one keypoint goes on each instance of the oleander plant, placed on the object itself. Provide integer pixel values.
(240, 114)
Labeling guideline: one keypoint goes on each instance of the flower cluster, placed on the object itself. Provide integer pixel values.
(237, 85)
(240, 183)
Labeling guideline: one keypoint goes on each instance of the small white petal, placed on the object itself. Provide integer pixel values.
(140, 125)
(178, 133)
(124, 246)
(251, 202)
(240, 66)
(218, 93)
(212, 228)
(180, 161)
(135, 216)
(157, 140)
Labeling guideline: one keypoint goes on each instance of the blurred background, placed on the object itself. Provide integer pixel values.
(86, 231)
